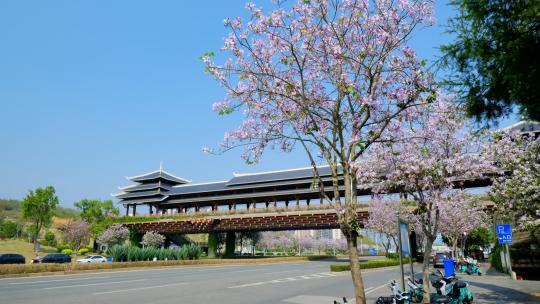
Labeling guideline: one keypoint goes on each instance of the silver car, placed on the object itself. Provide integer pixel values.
(93, 259)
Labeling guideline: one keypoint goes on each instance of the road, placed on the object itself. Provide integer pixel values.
(296, 283)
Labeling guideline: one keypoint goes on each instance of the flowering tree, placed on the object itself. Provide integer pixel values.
(329, 76)
(77, 233)
(517, 192)
(432, 156)
(152, 239)
(284, 242)
(318, 245)
(114, 235)
(267, 241)
(304, 243)
(460, 215)
(382, 219)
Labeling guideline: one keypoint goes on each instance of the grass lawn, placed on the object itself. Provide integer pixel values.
(24, 248)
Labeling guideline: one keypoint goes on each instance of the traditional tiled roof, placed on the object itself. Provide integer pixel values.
(281, 175)
(144, 187)
(158, 175)
(282, 179)
(524, 127)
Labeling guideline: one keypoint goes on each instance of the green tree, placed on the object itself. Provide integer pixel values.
(493, 62)
(479, 237)
(8, 229)
(96, 212)
(50, 238)
(38, 207)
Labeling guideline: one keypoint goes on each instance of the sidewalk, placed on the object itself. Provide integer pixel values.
(496, 287)
(491, 287)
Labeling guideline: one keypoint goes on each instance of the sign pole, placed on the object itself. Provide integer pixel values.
(400, 254)
(410, 261)
(504, 235)
(509, 262)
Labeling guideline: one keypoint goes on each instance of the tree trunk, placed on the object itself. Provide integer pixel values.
(36, 235)
(425, 267)
(454, 248)
(386, 247)
(355, 268)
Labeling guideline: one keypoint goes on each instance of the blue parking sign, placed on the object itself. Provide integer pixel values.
(504, 233)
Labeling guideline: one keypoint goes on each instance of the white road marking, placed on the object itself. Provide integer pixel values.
(210, 269)
(47, 281)
(247, 270)
(372, 289)
(94, 284)
(135, 289)
(297, 278)
(284, 271)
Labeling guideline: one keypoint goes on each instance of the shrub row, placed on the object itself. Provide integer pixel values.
(365, 265)
(127, 253)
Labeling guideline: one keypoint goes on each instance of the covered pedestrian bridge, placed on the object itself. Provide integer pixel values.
(266, 201)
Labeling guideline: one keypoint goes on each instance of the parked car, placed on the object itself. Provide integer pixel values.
(93, 259)
(12, 258)
(438, 259)
(56, 258)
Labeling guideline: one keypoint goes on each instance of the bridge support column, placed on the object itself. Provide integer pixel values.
(127, 210)
(230, 244)
(307, 202)
(212, 244)
(151, 209)
(134, 209)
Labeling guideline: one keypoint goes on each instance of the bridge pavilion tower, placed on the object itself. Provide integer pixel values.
(149, 189)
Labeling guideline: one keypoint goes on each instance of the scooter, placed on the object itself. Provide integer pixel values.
(398, 297)
(450, 290)
(470, 268)
(343, 302)
(416, 290)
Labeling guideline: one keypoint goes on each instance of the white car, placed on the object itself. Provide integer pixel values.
(93, 259)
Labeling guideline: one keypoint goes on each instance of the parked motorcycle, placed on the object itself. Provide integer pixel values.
(416, 290)
(470, 268)
(398, 296)
(450, 290)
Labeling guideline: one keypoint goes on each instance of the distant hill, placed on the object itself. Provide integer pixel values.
(9, 209)
(12, 209)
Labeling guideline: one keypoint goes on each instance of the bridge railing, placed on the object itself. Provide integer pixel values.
(270, 209)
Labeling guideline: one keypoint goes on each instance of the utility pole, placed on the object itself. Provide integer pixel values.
(400, 245)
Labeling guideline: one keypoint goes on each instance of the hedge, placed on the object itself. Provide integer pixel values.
(128, 253)
(74, 267)
(365, 265)
(495, 257)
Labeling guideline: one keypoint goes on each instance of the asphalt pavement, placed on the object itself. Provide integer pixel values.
(295, 283)
(301, 282)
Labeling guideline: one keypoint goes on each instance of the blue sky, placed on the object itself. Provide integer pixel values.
(93, 91)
